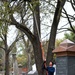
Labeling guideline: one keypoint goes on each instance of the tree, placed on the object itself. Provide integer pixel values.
(22, 60)
(35, 37)
(58, 41)
(54, 27)
(7, 50)
(3, 34)
(2, 54)
(4, 28)
(26, 49)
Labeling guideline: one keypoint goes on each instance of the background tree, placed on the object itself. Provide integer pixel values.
(26, 49)
(70, 36)
(58, 41)
(4, 31)
(22, 59)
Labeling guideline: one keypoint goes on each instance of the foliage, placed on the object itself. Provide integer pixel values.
(70, 36)
(58, 41)
(22, 60)
(1, 65)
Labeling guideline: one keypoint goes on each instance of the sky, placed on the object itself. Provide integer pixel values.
(11, 34)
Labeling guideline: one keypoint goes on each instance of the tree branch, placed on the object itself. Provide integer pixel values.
(70, 16)
(72, 5)
(22, 28)
(2, 48)
(12, 45)
(69, 21)
(1, 37)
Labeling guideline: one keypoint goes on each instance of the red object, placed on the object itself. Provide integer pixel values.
(25, 69)
(43, 55)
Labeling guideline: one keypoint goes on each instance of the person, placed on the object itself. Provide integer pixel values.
(50, 69)
(43, 65)
(54, 65)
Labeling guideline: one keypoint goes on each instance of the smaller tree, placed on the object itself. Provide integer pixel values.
(22, 60)
(58, 41)
(70, 36)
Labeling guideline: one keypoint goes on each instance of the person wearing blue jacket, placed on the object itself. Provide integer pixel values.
(50, 69)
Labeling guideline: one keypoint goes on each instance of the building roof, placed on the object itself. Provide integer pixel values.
(65, 46)
(66, 43)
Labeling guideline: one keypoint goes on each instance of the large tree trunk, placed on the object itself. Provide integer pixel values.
(38, 56)
(6, 56)
(56, 19)
(6, 63)
(36, 44)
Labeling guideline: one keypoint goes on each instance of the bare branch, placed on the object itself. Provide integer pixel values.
(46, 35)
(61, 31)
(12, 45)
(1, 37)
(72, 4)
(22, 28)
(69, 20)
(70, 16)
(2, 48)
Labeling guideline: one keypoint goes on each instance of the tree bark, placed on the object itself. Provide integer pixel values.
(38, 56)
(36, 43)
(6, 63)
(6, 56)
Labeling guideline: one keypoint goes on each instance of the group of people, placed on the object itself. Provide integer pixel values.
(50, 69)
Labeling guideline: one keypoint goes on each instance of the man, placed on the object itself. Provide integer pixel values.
(50, 69)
